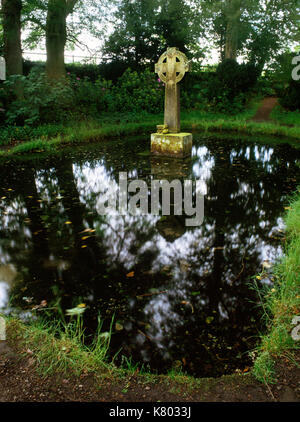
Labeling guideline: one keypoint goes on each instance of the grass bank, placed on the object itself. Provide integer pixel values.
(52, 137)
(57, 353)
(281, 303)
(60, 347)
(284, 117)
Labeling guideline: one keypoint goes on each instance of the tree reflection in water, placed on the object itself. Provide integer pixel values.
(189, 301)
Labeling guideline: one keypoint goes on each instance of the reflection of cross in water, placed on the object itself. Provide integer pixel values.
(171, 68)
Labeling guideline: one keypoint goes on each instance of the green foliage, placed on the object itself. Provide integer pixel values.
(265, 85)
(290, 98)
(226, 90)
(90, 98)
(232, 81)
(140, 124)
(42, 101)
(29, 65)
(110, 71)
(12, 134)
(60, 347)
(285, 117)
(255, 28)
(137, 91)
(144, 28)
(75, 97)
(282, 301)
(280, 72)
(263, 368)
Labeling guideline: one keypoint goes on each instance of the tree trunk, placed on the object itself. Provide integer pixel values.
(231, 41)
(56, 36)
(233, 15)
(222, 46)
(11, 18)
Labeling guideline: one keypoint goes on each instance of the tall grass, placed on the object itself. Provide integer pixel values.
(282, 302)
(60, 347)
(284, 117)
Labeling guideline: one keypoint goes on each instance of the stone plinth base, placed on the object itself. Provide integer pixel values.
(171, 144)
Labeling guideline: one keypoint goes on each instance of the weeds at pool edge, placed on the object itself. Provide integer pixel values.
(281, 303)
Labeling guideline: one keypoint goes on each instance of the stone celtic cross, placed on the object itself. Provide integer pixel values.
(171, 68)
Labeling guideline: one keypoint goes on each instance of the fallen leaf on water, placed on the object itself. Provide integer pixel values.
(131, 274)
(75, 311)
(185, 302)
(68, 222)
(87, 231)
(119, 327)
(209, 319)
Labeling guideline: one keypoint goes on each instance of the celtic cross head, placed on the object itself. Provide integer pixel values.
(172, 66)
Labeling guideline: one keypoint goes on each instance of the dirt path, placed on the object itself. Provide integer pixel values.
(20, 382)
(265, 109)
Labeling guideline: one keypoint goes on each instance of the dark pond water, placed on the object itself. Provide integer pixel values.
(180, 295)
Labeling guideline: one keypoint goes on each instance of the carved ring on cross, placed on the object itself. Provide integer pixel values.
(172, 65)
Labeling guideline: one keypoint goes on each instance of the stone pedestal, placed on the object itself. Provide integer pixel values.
(169, 141)
(171, 144)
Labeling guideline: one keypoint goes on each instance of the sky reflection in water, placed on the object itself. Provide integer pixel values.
(188, 304)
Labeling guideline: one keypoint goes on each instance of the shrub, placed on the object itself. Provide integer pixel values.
(227, 90)
(42, 101)
(137, 91)
(281, 71)
(290, 97)
(237, 78)
(194, 89)
(265, 87)
(133, 92)
(25, 133)
(90, 98)
(112, 70)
